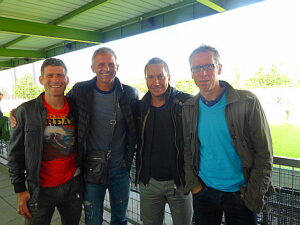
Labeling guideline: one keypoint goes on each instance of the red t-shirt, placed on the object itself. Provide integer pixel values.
(59, 156)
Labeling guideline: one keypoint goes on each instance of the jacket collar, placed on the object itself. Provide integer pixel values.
(169, 95)
(231, 95)
(119, 86)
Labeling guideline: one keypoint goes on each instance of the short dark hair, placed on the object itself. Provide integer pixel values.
(157, 60)
(52, 62)
(206, 48)
(103, 50)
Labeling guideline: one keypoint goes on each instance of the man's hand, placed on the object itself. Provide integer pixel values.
(23, 198)
(12, 118)
(197, 189)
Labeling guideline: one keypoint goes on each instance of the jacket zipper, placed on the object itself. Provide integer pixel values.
(44, 116)
(142, 145)
(175, 134)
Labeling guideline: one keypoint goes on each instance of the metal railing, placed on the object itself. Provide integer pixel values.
(282, 208)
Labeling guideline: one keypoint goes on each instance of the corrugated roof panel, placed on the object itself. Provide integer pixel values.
(38, 11)
(35, 43)
(6, 37)
(115, 11)
(114, 18)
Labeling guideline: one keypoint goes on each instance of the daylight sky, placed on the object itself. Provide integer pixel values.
(247, 38)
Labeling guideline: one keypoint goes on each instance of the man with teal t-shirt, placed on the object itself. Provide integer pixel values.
(228, 147)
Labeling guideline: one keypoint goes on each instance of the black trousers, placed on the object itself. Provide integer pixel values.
(67, 198)
(210, 204)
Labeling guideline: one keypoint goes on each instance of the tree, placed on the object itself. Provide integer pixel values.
(141, 86)
(268, 78)
(187, 86)
(236, 83)
(26, 88)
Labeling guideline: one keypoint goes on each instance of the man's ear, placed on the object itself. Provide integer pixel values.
(219, 69)
(41, 78)
(92, 67)
(67, 80)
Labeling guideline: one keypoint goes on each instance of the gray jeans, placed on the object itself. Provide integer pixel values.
(156, 194)
(67, 198)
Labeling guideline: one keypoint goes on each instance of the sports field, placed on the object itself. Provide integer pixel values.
(286, 140)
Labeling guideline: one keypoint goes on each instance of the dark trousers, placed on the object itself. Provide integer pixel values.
(210, 204)
(67, 198)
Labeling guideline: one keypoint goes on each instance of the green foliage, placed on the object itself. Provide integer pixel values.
(267, 78)
(236, 83)
(141, 86)
(187, 86)
(26, 88)
(68, 88)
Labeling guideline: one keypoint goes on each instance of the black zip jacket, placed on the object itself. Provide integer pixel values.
(176, 99)
(26, 146)
(82, 95)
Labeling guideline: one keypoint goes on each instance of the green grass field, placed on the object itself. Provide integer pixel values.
(286, 140)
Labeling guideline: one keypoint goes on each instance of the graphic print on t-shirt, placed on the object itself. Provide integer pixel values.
(58, 141)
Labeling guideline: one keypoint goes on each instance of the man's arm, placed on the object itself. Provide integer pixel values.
(16, 163)
(191, 178)
(260, 175)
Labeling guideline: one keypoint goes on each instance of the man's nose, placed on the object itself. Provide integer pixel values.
(156, 80)
(202, 73)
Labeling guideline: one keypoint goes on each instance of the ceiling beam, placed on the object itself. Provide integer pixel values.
(48, 31)
(212, 5)
(5, 64)
(62, 19)
(16, 53)
(78, 11)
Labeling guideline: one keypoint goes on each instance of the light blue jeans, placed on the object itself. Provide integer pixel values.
(119, 189)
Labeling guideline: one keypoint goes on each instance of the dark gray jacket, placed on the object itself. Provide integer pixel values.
(82, 95)
(26, 146)
(251, 137)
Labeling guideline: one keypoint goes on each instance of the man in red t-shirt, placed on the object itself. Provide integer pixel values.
(43, 153)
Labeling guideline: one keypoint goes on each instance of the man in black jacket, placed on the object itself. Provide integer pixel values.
(43, 153)
(106, 132)
(160, 171)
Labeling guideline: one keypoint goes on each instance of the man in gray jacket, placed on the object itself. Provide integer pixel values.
(228, 147)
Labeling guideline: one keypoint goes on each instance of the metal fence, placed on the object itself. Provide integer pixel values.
(3, 151)
(282, 208)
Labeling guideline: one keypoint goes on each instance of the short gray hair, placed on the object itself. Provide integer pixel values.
(206, 48)
(103, 50)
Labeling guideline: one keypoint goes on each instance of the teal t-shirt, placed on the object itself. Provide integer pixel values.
(220, 165)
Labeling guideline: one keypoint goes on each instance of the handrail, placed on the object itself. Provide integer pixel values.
(285, 161)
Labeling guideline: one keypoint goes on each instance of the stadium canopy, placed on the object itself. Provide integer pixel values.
(31, 30)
